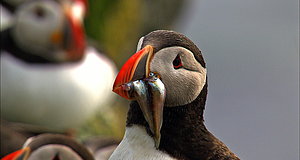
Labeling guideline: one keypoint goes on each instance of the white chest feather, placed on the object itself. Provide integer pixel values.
(51, 94)
(138, 145)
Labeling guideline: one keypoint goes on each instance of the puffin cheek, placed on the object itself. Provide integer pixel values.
(195, 86)
(182, 89)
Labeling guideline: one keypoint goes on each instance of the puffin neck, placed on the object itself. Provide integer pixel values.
(183, 133)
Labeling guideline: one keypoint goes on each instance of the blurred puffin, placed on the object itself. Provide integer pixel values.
(51, 147)
(167, 84)
(49, 76)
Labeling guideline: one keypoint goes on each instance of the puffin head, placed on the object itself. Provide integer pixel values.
(51, 147)
(52, 30)
(168, 70)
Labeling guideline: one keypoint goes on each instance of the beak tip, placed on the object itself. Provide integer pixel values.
(121, 92)
(157, 142)
(19, 154)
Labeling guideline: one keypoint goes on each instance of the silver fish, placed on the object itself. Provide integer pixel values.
(150, 93)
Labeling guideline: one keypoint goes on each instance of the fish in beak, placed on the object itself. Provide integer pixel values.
(135, 81)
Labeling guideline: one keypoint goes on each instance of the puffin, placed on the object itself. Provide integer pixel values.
(166, 82)
(50, 76)
(51, 147)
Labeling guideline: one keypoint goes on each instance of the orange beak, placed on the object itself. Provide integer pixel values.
(129, 69)
(71, 36)
(18, 155)
(75, 49)
(75, 36)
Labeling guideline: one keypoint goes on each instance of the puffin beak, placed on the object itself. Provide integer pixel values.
(21, 154)
(129, 68)
(76, 39)
(135, 81)
(71, 36)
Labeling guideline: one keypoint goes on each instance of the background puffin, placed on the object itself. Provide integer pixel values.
(51, 147)
(165, 120)
(50, 77)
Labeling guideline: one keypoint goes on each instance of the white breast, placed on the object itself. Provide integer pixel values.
(56, 96)
(138, 145)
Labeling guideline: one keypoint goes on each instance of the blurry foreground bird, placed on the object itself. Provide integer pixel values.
(51, 147)
(167, 84)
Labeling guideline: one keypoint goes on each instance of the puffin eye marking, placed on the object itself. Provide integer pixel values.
(177, 62)
(39, 12)
(56, 157)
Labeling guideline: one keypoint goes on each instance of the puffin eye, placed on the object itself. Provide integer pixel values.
(177, 62)
(39, 12)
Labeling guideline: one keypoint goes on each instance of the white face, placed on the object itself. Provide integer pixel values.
(37, 25)
(182, 75)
